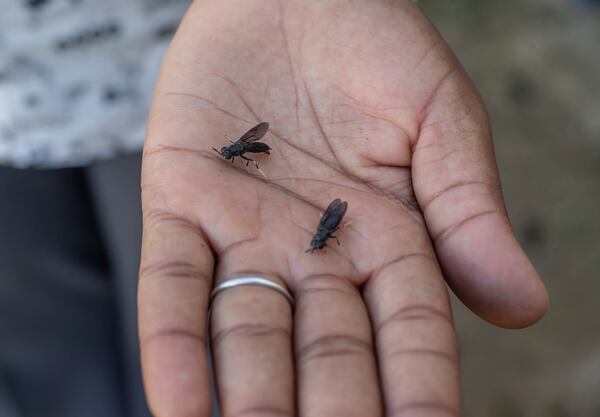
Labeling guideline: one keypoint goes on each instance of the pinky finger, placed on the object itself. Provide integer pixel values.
(175, 280)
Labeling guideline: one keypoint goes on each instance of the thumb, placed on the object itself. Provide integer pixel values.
(457, 186)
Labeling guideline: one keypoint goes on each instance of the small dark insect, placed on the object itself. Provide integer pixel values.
(247, 144)
(330, 222)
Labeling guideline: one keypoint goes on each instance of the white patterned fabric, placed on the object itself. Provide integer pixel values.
(76, 76)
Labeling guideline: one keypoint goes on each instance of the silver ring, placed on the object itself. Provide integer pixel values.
(236, 282)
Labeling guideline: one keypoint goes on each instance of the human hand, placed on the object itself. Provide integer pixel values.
(366, 103)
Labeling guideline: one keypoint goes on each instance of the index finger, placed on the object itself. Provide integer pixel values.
(414, 336)
(175, 280)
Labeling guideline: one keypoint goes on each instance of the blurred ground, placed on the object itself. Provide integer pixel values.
(537, 65)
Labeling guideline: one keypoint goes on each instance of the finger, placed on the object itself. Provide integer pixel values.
(456, 183)
(337, 372)
(251, 334)
(175, 279)
(414, 337)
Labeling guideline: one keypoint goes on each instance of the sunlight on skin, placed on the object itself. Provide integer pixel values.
(367, 104)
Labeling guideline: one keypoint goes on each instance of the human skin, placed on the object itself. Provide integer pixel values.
(366, 103)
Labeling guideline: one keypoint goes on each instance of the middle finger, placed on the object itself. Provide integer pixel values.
(337, 371)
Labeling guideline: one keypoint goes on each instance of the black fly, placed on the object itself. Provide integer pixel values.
(247, 144)
(330, 222)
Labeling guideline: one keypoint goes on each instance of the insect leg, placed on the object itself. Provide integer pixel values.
(256, 165)
(247, 160)
(337, 240)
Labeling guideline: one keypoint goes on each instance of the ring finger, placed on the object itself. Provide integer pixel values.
(251, 335)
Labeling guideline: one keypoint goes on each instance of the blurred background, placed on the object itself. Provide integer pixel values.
(537, 65)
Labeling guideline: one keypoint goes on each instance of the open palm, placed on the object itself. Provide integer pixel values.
(366, 103)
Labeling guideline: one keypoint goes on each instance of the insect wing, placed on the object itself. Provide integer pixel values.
(257, 147)
(333, 214)
(255, 133)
